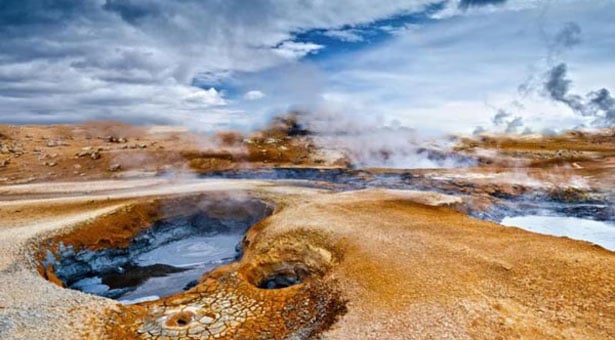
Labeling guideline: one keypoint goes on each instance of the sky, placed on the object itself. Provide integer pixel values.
(454, 66)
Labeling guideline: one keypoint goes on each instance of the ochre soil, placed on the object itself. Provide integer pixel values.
(97, 150)
(374, 264)
(585, 156)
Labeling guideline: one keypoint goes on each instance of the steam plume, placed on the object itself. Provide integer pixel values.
(598, 104)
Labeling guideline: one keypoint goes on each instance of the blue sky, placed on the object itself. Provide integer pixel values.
(436, 66)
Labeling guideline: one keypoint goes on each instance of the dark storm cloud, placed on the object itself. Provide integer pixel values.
(131, 11)
(475, 3)
(598, 104)
(18, 13)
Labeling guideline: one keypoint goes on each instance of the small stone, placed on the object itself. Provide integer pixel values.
(206, 320)
(196, 330)
(115, 167)
(95, 155)
(218, 327)
(85, 152)
(170, 332)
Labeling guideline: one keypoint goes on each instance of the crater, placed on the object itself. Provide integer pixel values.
(168, 245)
(280, 275)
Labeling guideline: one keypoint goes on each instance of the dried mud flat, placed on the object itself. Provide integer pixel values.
(373, 263)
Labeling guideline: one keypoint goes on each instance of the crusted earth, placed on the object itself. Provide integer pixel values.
(363, 262)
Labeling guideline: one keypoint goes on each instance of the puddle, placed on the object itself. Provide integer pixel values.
(597, 232)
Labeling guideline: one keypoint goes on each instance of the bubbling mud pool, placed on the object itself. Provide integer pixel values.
(163, 259)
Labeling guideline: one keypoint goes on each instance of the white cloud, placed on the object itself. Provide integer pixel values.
(454, 74)
(296, 50)
(92, 58)
(348, 35)
(209, 97)
(253, 95)
(137, 64)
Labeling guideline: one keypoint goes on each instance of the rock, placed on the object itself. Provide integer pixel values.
(206, 320)
(4, 163)
(89, 151)
(191, 284)
(113, 139)
(51, 164)
(115, 167)
(4, 149)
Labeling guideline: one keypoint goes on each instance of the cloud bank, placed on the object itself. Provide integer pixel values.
(435, 66)
(138, 60)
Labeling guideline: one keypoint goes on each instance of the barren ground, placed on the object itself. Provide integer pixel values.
(376, 263)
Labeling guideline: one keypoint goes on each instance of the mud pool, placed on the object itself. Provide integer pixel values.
(162, 260)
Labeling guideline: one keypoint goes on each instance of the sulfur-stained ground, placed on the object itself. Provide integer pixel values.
(371, 264)
(374, 264)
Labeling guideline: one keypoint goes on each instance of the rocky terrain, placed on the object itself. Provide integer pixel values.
(333, 251)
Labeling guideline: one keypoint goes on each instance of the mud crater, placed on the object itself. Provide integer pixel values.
(165, 257)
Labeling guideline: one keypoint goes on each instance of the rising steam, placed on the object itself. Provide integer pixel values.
(598, 104)
(555, 85)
